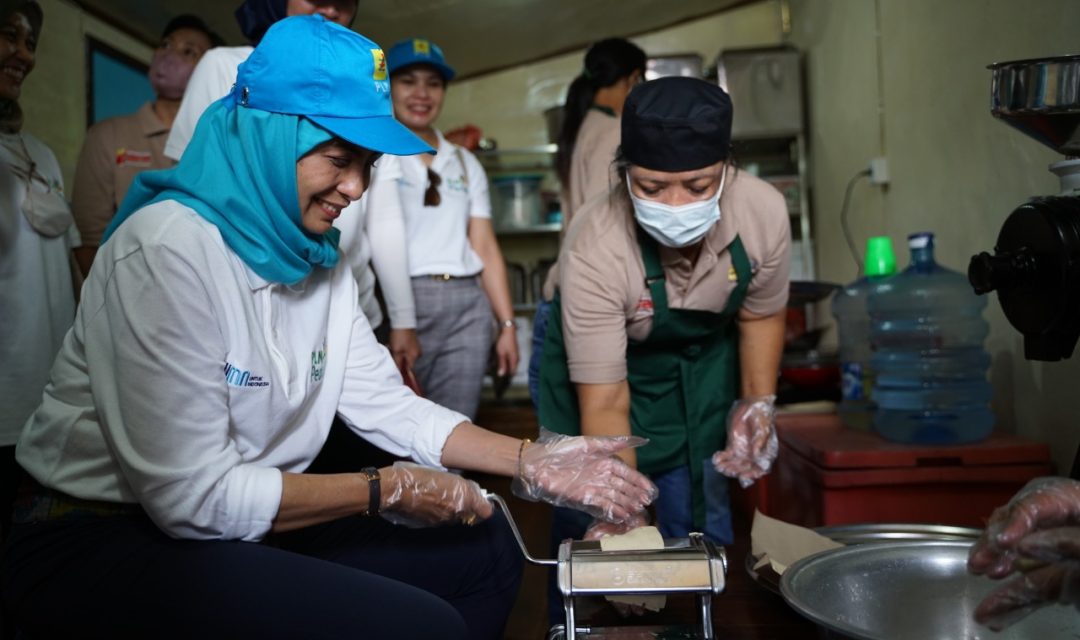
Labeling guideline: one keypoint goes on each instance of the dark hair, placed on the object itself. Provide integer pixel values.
(622, 170)
(606, 62)
(29, 8)
(188, 21)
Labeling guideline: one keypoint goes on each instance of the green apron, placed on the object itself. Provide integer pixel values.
(683, 377)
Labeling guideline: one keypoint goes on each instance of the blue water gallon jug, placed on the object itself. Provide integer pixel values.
(853, 329)
(927, 332)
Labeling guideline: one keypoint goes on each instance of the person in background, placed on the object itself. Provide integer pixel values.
(1038, 535)
(218, 333)
(373, 233)
(457, 269)
(37, 234)
(117, 149)
(670, 309)
(585, 161)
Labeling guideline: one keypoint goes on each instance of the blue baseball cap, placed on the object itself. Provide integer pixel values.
(311, 67)
(418, 51)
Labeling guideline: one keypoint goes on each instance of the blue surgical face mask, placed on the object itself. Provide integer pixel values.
(679, 226)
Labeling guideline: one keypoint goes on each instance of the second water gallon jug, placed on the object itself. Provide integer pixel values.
(927, 332)
(853, 324)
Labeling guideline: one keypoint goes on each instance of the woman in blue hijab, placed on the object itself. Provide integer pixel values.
(217, 338)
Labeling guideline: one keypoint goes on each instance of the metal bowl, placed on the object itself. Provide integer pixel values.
(907, 590)
(849, 534)
(1041, 98)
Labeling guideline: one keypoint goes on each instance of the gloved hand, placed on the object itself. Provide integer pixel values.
(1056, 555)
(582, 472)
(1034, 534)
(1043, 503)
(751, 440)
(601, 528)
(418, 496)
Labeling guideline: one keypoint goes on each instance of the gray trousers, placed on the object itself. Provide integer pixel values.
(454, 324)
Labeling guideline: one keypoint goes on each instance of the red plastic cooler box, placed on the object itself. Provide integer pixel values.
(828, 474)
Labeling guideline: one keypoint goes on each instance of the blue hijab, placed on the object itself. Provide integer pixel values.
(239, 173)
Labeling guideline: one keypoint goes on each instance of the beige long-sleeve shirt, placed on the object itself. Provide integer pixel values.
(592, 172)
(605, 301)
(115, 151)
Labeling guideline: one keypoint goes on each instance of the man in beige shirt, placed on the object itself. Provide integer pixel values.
(118, 149)
(670, 310)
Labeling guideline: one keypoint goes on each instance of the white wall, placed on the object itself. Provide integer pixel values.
(509, 105)
(907, 79)
(54, 94)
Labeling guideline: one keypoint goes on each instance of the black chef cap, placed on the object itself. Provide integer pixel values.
(676, 124)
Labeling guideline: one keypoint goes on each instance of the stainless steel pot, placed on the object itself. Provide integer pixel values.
(907, 590)
(1041, 98)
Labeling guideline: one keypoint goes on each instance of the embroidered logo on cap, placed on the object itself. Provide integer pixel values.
(379, 58)
(421, 47)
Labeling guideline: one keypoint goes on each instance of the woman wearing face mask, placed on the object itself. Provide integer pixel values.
(669, 317)
(37, 233)
(458, 273)
(117, 149)
(373, 233)
(168, 494)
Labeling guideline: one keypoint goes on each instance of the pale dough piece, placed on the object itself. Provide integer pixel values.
(633, 540)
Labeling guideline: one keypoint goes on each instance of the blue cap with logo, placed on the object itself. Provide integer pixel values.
(418, 51)
(335, 77)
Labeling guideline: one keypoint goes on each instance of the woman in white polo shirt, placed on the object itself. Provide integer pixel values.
(458, 273)
(372, 236)
(217, 337)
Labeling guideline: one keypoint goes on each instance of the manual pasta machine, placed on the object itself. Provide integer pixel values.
(690, 565)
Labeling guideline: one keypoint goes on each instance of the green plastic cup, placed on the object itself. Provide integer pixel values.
(880, 260)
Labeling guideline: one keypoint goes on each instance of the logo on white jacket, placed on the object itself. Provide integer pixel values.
(238, 377)
(318, 364)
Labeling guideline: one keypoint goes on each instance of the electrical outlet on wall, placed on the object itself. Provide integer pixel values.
(879, 171)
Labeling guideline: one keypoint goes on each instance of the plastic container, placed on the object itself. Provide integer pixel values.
(516, 201)
(853, 322)
(927, 332)
(830, 475)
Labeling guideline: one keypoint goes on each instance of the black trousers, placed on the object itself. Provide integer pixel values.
(121, 577)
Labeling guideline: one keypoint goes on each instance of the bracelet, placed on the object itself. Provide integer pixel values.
(507, 324)
(521, 450)
(374, 493)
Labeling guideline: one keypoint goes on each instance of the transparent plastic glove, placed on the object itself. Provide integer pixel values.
(1043, 503)
(601, 528)
(418, 496)
(1047, 584)
(751, 440)
(582, 472)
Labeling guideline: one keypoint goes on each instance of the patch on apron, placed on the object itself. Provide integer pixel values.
(644, 308)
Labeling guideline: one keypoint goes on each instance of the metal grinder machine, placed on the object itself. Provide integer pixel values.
(690, 565)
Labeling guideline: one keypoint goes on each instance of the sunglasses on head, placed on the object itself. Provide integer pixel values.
(431, 195)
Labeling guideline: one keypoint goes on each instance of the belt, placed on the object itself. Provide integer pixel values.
(36, 503)
(442, 277)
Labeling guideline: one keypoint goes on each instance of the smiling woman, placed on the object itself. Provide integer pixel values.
(328, 178)
(218, 337)
(36, 235)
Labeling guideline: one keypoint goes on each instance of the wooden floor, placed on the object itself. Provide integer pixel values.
(745, 611)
